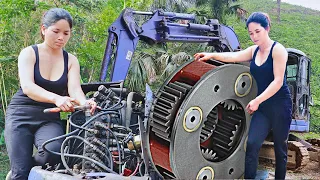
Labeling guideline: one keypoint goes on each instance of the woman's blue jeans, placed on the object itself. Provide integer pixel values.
(273, 115)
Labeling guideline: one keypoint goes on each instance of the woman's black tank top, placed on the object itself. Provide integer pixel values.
(58, 87)
(264, 75)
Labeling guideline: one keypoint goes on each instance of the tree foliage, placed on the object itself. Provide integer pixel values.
(217, 9)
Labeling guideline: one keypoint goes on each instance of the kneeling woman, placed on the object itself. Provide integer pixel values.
(46, 73)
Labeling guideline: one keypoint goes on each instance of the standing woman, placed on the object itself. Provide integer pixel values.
(271, 108)
(46, 73)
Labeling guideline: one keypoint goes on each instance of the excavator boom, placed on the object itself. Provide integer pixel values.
(125, 33)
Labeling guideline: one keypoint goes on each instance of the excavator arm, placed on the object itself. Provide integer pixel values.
(125, 33)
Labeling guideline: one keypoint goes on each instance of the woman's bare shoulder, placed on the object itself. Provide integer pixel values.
(279, 52)
(73, 60)
(72, 57)
(279, 48)
(27, 54)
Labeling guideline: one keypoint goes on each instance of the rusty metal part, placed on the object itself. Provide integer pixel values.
(219, 140)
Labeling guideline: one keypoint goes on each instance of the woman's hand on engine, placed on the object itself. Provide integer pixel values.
(202, 56)
(93, 105)
(65, 103)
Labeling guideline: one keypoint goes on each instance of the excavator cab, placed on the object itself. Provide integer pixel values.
(298, 79)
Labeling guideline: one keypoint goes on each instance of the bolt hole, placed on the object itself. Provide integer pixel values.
(216, 88)
(193, 119)
(231, 171)
(205, 177)
(243, 84)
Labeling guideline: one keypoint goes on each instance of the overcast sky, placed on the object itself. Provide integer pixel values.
(313, 4)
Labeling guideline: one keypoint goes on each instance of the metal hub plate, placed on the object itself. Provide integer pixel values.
(214, 87)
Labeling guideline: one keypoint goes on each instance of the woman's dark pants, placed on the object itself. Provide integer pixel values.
(25, 127)
(276, 116)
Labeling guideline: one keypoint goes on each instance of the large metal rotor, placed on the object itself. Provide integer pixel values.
(199, 123)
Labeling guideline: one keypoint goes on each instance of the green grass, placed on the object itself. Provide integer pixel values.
(309, 135)
(4, 163)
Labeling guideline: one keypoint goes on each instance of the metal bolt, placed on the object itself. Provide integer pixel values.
(206, 173)
(192, 119)
(243, 84)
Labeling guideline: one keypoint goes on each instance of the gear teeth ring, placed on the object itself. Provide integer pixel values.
(208, 154)
(229, 104)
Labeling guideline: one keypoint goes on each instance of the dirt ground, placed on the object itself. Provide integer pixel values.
(310, 171)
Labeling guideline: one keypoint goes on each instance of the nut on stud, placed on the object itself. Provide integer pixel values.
(206, 173)
(192, 119)
(243, 84)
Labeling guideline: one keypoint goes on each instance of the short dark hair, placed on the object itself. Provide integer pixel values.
(259, 17)
(54, 15)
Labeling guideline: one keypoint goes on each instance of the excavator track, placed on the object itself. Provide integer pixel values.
(298, 155)
(301, 155)
(314, 142)
(314, 151)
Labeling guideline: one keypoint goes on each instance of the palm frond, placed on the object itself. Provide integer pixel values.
(150, 68)
(180, 58)
(136, 76)
(163, 60)
(168, 70)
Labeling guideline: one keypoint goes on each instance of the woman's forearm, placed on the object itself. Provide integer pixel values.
(229, 57)
(79, 96)
(224, 57)
(39, 94)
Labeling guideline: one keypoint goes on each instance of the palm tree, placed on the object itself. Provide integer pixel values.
(154, 64)
(219, 8)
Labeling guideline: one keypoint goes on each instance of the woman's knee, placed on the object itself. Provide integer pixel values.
(252, 146)
(20, 172)
(42, 157)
